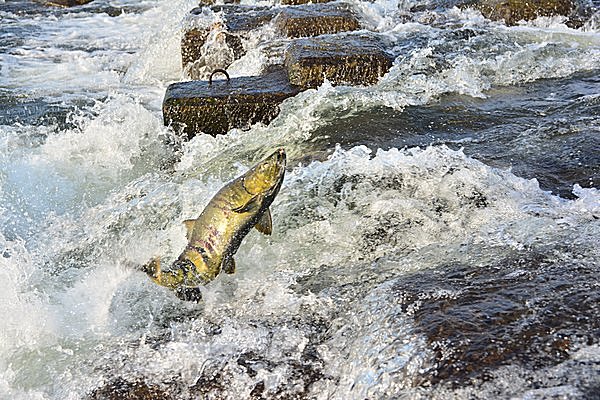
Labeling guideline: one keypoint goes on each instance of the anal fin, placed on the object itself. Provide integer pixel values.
(265, 223)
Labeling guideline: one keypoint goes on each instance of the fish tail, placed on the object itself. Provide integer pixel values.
(152, 269)
(170, 279)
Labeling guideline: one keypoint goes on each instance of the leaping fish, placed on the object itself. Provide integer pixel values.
(215, 236)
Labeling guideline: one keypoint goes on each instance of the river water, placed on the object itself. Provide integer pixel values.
(436, 235)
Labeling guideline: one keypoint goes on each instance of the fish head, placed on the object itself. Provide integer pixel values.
(267, 175)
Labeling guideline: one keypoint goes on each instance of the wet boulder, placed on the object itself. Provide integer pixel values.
(316, 19)
(207, 3)
(297, 2)
(241, 18)
(199, 106)
(220, 44)
(513, 11)
(121, 389)
(342, 60)
(528, 309)
(204, 49)
(67, 3)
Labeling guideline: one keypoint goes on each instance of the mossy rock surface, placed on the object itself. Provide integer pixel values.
(342, 60)
(197, 106)
(316, 19)
(513, 11)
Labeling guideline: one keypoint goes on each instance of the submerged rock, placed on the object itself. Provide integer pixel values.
(316, 19)
(215, 381)
(530, 310)
(66, 3)
(121, 389)
(513, 11)
(198, 106)
(349, 60)
(278, 367)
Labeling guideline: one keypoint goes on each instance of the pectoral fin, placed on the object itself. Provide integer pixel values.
(253, 203)
(228, 265)
(189, 226)
(265, 223)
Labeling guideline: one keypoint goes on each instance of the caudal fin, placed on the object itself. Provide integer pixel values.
(152, 268)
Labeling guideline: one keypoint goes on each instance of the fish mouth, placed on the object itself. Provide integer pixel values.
(280, 161)
(280, 154)
(280, 158)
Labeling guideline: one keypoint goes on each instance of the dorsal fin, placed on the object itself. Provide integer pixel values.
(265, 223)
(189, 226)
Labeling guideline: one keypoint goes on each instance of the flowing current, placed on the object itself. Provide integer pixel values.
(436, 236)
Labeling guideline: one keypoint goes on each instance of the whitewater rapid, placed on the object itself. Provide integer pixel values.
(91, 186)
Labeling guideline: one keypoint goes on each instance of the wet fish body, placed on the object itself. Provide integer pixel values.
(215, 236)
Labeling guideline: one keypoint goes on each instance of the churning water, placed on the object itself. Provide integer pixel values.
(436, 236)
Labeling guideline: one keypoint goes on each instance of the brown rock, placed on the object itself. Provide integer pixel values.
(197, 106)
(121, 389)
(297, 2)
(206, 3)
(350, 60)
(67, 3)
(191, 44)
(526, 310)
(316, 19)
(203, 51)
(513, 11)
(219, 45)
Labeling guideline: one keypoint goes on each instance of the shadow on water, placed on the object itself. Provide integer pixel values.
(548, 130)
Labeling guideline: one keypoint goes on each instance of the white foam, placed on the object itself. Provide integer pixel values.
(83, 164)
(93, 54)
(27, 320)
(326, 218)
(93, 208)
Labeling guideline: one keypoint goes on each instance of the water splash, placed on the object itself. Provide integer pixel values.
(313, 311)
